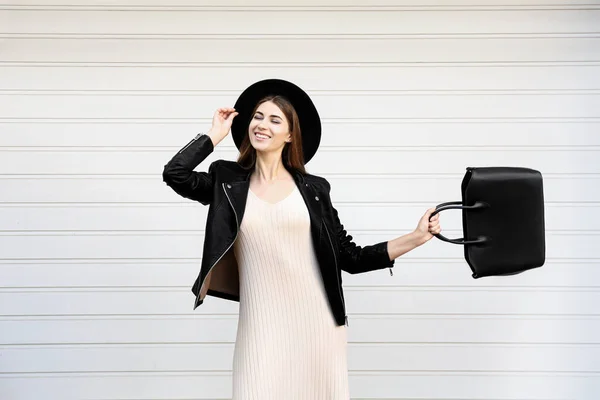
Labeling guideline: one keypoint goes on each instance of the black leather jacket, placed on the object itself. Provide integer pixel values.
(224, 188)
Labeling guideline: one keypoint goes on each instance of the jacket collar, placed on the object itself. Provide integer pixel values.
(243, 175)
(237, 186)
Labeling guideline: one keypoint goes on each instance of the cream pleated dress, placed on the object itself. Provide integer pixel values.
(288, 346)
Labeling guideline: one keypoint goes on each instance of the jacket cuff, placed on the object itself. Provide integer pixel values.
(382, 252)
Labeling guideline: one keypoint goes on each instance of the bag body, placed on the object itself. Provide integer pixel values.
(502, 220)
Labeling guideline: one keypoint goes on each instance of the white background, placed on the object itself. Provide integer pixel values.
(97, 254)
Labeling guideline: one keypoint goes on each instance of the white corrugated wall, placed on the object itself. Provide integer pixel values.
(97, 255)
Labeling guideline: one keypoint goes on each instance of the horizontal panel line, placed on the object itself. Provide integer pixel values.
(195, 373)
(394, 398)
(183, 260)
(305, 64)
(356, 288)
(296, 36)
(341, 175)
(351, 398)
(298, 7)
(234, 316)
(328, 149)
(195, 232)
(192, 204)
(332, 149)
(194, 261)
(352, 288)
(231, 343)
(319, 92)
(193, 315)
(326, 121)
(350, 371)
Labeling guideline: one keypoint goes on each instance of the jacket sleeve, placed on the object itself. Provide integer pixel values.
(357, 259)
(179, 172)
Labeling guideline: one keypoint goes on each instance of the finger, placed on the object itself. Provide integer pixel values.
(435, 229)
(429, 212)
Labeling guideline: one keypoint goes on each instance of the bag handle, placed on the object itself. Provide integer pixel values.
(457, 205)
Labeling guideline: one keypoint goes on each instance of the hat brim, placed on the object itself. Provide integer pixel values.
(310, 122)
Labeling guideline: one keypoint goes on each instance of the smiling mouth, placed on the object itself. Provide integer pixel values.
(261, 135)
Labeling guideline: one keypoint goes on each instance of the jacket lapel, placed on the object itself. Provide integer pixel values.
(237, 192)
(313, 203)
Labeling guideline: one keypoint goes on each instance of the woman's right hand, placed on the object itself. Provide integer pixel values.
(222, 121)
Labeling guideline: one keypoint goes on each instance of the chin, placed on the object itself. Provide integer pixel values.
(258, 145)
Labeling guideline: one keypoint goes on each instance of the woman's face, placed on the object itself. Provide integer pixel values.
(269, 129)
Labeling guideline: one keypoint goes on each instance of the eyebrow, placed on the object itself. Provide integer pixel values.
(272, 115)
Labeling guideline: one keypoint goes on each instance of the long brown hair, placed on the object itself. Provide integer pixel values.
(292, 155)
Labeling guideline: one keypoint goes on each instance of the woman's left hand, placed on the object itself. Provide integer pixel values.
(426, 228)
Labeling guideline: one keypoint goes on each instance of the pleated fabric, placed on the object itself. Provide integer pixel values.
(288, 345)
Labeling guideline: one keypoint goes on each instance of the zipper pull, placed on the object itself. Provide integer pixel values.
(346, 317)
(391, 272)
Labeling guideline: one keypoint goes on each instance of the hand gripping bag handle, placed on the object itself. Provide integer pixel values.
(457, 205)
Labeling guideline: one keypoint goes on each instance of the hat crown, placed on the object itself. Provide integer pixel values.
(310, 121)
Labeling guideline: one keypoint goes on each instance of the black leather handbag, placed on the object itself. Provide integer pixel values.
(502, 220)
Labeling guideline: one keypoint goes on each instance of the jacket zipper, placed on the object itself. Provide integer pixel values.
(191, 141)
(338, 271)
(225, 252)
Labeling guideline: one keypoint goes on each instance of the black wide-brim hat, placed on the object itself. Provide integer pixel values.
(310, 122)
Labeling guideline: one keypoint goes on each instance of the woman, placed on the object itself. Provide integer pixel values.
(274, 243)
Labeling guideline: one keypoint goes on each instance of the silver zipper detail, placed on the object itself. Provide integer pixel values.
(225, 252)
(337, 269)
(191, 141)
